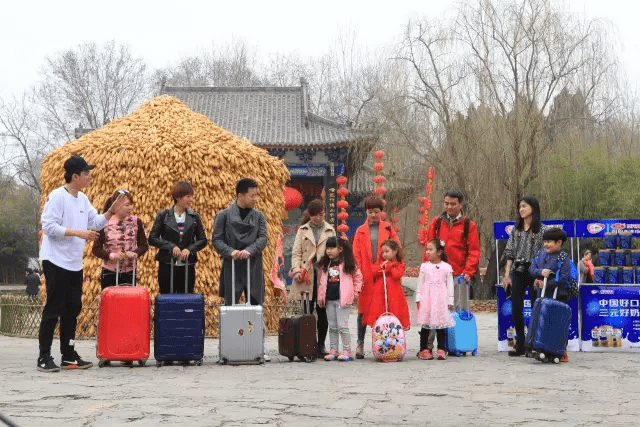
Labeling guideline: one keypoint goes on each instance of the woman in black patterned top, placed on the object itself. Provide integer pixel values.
(524, 243)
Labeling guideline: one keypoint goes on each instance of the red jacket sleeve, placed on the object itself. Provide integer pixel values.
(396, 270)
(473, 243)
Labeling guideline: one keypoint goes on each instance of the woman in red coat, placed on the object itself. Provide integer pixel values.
(367, 243)
(391, 271)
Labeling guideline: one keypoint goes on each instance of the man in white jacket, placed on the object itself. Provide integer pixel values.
(68, 221)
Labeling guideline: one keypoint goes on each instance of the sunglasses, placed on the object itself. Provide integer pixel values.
(123, 192)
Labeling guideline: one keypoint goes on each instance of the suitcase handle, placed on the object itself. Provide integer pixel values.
(463, 307)
(544, 288)
(118, 271)
(233, 281)
(186, 276)
(305, 303)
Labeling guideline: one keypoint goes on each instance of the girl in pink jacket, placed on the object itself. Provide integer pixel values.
(340, 285)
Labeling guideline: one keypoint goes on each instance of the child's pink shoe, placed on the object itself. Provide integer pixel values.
(333, 355)
(346, 356)
(441, 355)
(425, 354)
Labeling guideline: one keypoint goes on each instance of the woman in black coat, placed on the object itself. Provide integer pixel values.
(178, 234)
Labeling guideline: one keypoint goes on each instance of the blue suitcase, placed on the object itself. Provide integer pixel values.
(548, 330)
(463, 336)
(179, 326)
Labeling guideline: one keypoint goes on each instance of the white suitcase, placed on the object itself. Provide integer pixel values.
(241, 328)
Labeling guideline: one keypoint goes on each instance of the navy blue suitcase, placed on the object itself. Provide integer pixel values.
(179, 327)
(548, 330)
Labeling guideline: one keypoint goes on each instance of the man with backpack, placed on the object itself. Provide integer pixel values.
(459, 234)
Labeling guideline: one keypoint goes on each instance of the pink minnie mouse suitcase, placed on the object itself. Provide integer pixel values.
(389, 342)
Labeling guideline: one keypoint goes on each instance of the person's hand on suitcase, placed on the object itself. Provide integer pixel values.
(129, 254)
(546, 272)
(538, 283)
(176, 252)
(184, 254)
(450, 307)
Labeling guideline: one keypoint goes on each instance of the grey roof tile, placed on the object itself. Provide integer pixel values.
(267, 116)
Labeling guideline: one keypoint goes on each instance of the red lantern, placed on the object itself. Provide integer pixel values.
(343, 228)
(422, 200)
(422, 236)
(379, 155)
(341, 180)
(429, 188)
(342, 192)
(379, 179)
(380, 191)
(342, 216)
(430, 173)
(292, 198)
(378, 167)
(342, 204)
(427, 205)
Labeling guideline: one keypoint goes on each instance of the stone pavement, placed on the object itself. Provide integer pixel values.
(488, 389)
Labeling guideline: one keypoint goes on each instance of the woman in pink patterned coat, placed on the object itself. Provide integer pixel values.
(434, 298)
(122, 239)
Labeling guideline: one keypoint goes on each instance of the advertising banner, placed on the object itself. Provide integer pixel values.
(502, 229)
(507, 333)
(598, 227)
(610, 317)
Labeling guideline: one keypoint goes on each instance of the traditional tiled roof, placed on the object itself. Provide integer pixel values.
(270, 117)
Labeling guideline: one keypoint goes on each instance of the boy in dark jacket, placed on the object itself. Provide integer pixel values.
(546, 265)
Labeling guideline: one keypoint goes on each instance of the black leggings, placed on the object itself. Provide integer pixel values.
(519, 284)
(323, 323)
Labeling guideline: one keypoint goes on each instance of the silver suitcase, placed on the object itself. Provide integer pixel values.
(241, 328)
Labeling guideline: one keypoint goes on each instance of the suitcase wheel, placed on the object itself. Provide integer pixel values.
(260, 360)
(224, 361)
(158, 363)
(291, 359)
(102, 363)
(199, 362)
(312, 358)
(541, 356)
(474, 352)
(142, 362)
(556, 360)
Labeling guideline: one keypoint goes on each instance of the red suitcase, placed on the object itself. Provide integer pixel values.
(124, 324)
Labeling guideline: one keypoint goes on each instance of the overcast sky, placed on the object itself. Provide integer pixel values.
(162, 31)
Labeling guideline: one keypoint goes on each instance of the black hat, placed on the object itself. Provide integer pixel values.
(77, 164)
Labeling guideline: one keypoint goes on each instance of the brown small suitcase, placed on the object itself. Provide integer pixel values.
(297, 334)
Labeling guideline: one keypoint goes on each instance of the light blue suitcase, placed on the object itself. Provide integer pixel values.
(463, 336)
(241, 328)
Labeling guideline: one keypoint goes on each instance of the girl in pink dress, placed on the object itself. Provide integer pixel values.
(434, 298)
